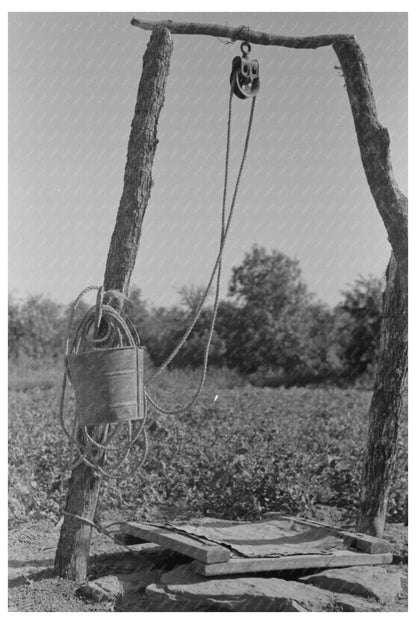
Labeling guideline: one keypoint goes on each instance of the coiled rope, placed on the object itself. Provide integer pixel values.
(120, 331)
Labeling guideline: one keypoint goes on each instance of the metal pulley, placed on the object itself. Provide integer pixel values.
(245, 78)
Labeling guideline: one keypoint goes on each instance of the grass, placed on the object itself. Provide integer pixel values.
(240, 452)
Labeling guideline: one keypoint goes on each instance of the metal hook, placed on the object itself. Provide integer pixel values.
(245, 48)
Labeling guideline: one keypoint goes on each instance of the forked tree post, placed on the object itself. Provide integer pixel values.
(373, 139)
(386, 407)
(71, 559)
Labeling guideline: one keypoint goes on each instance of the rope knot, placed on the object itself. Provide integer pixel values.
(243, 32)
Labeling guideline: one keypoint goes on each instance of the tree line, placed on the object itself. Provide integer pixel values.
(269, 327)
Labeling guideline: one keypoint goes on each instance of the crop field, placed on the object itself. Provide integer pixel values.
(240, 452)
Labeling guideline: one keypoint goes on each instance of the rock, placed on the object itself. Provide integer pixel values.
(106, 588)
(139, 580)
(345, 602)
(367, 581)
(121, 585)
(184, 590)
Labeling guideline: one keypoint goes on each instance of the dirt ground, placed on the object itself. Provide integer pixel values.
(33, 586)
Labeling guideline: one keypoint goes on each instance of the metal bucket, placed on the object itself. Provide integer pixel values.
(108, 385)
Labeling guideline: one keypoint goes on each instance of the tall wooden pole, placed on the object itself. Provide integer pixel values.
(387, 406)
(72, 553)
(140, 154)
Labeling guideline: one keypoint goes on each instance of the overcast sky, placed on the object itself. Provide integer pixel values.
(72, 87)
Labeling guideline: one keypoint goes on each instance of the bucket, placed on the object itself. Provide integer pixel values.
(108, 385)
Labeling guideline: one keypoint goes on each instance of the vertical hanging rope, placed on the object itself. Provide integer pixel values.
(225, 226)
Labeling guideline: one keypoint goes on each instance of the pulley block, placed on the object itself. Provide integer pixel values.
(244, 77)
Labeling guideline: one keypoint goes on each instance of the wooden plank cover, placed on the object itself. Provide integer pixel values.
(338, 559)
(197, 548)
(271, 537)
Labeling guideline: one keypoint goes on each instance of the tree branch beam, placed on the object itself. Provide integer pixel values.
(140, 155)
(243, 33)
(71, 559)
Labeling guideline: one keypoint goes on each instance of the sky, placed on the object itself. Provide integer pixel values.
(73, 81)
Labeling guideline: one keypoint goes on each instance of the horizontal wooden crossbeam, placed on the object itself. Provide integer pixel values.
(243, 33)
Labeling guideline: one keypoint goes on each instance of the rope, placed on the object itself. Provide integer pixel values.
(225, 226)
(100, 529)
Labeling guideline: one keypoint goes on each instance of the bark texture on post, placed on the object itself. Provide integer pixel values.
(71, 559)
(386, 407)
(374, 143)
(243, 33)
(140, 154)
(391, 375)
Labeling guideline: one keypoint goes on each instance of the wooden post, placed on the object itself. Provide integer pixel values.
(72, 553)
(386, 407)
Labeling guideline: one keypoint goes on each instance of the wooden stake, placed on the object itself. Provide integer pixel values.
(72, 553)
(386, 408)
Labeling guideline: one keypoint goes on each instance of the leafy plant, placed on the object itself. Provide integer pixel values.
(240, 452)
(358, 323)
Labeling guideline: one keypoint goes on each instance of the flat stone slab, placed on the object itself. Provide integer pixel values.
(184, 590)
(366, 581)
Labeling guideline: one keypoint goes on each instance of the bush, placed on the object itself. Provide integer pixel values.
(270, 328)
(357, 327)
(276, 331)
(36, 328)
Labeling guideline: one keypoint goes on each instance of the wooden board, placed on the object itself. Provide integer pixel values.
(365, 543)
(269, 537)
(267, 564)
(193, 547)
